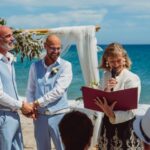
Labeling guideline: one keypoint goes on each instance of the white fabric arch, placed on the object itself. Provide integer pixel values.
(85, 40)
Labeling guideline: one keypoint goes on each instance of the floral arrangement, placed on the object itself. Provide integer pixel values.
(29, 43)
(94, 85)
(54, 71)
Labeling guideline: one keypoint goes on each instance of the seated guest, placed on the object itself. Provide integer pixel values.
(141, 127)
(76, 130)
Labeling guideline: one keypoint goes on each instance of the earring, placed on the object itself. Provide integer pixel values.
(107, 65)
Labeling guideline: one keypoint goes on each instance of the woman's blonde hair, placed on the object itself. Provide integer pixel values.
(113, 50)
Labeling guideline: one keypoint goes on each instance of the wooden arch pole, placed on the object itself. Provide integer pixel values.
(45, 31)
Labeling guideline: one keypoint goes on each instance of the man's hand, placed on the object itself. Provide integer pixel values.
(31, 110)
(33, 115)
(27, 108)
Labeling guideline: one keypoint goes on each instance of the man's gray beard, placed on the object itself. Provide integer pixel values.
(7, 47)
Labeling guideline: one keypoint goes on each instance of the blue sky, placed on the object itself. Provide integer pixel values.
(124, 21)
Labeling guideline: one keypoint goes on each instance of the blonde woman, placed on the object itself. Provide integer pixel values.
(117, 131)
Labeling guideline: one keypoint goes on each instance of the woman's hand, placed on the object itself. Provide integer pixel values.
(108, 110)
(111, 84)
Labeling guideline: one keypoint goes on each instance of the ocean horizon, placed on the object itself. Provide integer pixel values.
(139, 54)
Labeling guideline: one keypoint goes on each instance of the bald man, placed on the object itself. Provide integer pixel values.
(49, 79)
(10, 130)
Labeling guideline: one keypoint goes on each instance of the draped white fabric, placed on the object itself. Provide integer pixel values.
(85, 40)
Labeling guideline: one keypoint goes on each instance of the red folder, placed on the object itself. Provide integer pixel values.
(126, 99)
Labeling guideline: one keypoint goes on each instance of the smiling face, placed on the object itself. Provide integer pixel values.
(6, 39)
(53, 48)
(116, 57)
(117, 62)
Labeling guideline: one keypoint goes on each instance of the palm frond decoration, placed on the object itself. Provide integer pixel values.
(2, 21)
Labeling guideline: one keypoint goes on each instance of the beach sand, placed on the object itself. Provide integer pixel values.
(28, 133)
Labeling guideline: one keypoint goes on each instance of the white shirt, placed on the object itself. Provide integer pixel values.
(126, 79)
(62, 84)
(8, 59)
(5, 99)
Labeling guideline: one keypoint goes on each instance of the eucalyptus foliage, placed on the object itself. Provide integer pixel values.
(2, 21)
(27, 44)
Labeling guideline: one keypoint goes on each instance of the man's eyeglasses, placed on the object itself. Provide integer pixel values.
(6, 36)
(52, 48)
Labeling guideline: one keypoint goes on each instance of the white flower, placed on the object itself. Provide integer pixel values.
(54, 71)
(94, 85)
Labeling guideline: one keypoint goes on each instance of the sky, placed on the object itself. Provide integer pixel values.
(124, 21)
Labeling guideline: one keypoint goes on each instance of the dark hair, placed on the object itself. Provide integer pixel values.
(76, 130)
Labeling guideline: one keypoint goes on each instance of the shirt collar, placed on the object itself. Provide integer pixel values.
(57, 62)
(8, 55)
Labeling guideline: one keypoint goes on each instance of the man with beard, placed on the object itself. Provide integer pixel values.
(10, 130)
(49, 79)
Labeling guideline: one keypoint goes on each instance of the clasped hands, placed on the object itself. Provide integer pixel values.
(29, 110)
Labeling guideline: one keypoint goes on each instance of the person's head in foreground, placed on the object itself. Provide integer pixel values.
(141, 127)
(115, 57)
(76, 130)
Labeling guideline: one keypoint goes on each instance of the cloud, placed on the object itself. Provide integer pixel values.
(143, 16)
(114, 16)
(130, 5)
(64, 18)
(137, 7)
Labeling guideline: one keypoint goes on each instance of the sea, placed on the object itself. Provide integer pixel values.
(139, 54)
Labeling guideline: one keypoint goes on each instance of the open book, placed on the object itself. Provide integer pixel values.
(126, 99)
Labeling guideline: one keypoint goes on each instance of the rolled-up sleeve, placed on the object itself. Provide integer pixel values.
(7, 100)
(30, 93)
